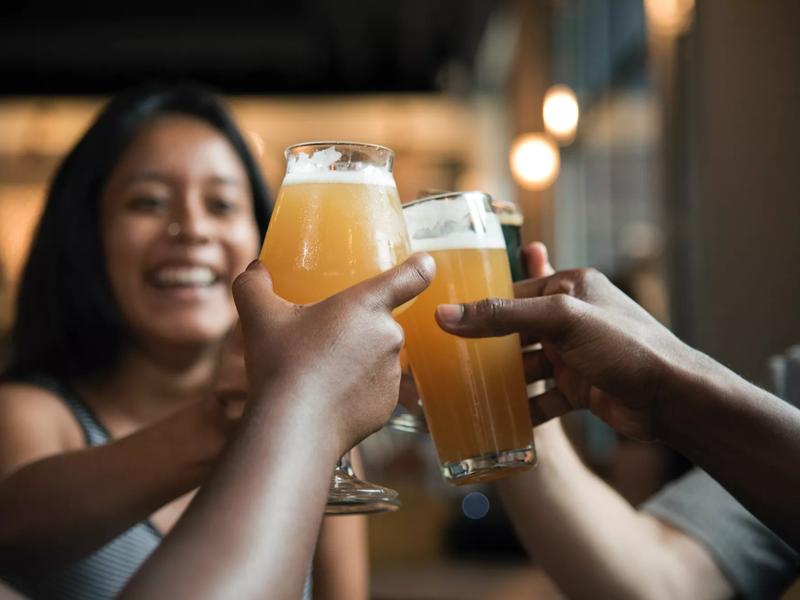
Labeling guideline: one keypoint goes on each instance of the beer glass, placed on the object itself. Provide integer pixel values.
(511, 220)
(337, 221)
(473, 390)
(409, 416)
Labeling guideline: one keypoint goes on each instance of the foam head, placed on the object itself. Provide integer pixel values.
(461, 220)
(318, 163)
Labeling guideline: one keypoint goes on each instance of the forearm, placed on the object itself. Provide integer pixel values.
(744, 437)
(585, 535)
(341, 562)
(63, 507)
(341, 566)
(262, 507)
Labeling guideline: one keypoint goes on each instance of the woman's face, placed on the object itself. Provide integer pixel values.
(177, 226)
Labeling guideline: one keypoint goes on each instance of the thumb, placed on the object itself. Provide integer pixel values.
(255, 298)
(399, 284)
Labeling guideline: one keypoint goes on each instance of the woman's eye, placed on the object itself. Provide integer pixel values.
(222, 206)
(147, 204)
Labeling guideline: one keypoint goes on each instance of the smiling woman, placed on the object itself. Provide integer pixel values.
(107, 419)
(177, 223)
(70, 321)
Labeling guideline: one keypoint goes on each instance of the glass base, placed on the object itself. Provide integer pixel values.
(486, 467)
(348, 495)
(408, 423)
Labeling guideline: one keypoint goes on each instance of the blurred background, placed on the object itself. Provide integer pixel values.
(657, 141)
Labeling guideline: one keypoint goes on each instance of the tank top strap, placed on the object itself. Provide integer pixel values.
(93, 430)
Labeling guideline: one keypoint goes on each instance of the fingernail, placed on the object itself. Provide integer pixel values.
(450, 313)
(253, 264)
(427, 260)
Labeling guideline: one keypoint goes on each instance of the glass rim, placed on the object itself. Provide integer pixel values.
(321, 143)
(447, 195)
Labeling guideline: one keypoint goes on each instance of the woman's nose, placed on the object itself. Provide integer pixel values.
(191, 223)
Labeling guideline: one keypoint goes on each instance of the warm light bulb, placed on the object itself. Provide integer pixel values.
(561, 113)
(669, 17)
(534, 161)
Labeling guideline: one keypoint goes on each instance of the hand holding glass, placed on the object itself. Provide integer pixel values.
(337, 222)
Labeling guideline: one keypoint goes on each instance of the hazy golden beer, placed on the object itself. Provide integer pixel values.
(473, 390)
(325, 236)
(337, 221)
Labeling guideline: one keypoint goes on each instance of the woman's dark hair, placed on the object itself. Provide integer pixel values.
(68, 322)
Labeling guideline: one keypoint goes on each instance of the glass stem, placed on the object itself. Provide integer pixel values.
(343, 464)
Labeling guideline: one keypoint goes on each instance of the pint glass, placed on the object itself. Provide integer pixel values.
(473, 390)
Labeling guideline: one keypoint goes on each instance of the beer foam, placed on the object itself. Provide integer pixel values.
(452, 227)
(318, 168)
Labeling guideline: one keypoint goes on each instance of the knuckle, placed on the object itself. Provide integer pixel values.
(488, 310)
(396, 336)
(576, 276)
(376, 300)
(576, 282)
(564, 305)
(561, 285)
(590, 280)
(241, 282)
(423, 275)
(592, 276)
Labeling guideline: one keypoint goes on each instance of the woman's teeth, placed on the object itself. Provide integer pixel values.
(184, 276)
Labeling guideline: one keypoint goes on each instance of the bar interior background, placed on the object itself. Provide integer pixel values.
(680, 181)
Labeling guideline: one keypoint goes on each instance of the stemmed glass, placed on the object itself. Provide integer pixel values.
(337, 221)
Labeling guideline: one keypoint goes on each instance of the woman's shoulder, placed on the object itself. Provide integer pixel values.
(30, 398)
(34, 422)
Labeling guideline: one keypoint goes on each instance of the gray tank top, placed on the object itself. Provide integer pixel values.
(102, 574)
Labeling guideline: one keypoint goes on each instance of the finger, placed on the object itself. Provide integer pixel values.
(230, 387)
(405, 366)
(254, 296)
(400, 284)
(537, 260)
(548, 316)
(548, 405)
(527, 340)
(409, 396)
(537, 366)
(532, 288)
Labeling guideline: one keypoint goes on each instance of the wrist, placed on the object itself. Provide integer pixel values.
(300, 412)
(689, 391)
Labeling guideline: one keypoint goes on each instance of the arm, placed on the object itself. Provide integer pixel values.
(592, 542)
(587, 537)
(341, 561)
(48, 516)
(6, 593)
(743, 436)
(327, 372)
(608, 355)
(262, 510)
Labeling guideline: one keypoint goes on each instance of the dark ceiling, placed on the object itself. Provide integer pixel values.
(296, 46)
